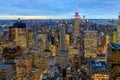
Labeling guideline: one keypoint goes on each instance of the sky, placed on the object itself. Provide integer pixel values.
(92, 9)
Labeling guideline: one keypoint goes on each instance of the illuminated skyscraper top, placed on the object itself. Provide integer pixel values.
(77, 14)
(76, 29)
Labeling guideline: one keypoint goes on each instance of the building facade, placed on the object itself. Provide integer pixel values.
(98, 70)
(76, 30)
(62, 55)
(18, 34)
(90, 44)
(113, 60)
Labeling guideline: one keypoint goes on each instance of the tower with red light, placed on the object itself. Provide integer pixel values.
(76, 29)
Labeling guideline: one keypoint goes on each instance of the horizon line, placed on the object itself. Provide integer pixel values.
(44, 17)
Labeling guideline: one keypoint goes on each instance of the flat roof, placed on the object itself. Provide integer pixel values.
(115, 45)
(5, 66)
(98, 65)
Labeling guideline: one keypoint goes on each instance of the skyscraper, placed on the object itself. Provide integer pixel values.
(62, 37)
(113, 60)
(18, 34)
(76, 29)
(62, 55)
(90, 44)
(43, 37)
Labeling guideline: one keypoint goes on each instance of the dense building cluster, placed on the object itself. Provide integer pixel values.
(70, 50)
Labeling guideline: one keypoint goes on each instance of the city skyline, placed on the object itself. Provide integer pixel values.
(94, 9)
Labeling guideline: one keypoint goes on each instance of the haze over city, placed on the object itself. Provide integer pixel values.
(93, 9)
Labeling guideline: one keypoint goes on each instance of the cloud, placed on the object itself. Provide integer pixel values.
(60, 7)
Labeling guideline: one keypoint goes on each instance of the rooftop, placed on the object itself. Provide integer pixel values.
(19, 24)
(5, 66)
(115, 45)
(90, 31)
(98, 65)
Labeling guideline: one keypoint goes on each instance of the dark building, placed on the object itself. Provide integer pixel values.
(18, 34)
(113, 60)
(11, 51)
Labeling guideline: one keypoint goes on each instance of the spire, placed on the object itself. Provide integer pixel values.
(19, 20)
(76, 13)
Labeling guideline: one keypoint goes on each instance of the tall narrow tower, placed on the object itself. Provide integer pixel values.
(118, 28)
(62, 37)
(62, 55)
(76, 29)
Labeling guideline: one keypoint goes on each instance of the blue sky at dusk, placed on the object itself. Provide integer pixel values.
(90, 8)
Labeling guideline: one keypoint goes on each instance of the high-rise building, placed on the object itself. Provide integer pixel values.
(113, 60)
(52, 36)
(43, 37)
(62, 55)
(90, 44)
(62, 38)
(118, 29)
(76, 29)
(31, 41)
(23, 66)
(53, 50)
(11, 33)
(18, 34)
(113, 36)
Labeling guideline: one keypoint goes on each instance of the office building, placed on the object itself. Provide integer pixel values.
(98, 70)
(76, 30)
(18, 34)
(62, 55)
(113, 36)
(113, 60)
(53, 50)
(23, 66)
(43, 37)
(90, 44)
(62, 40)
(31, 41)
